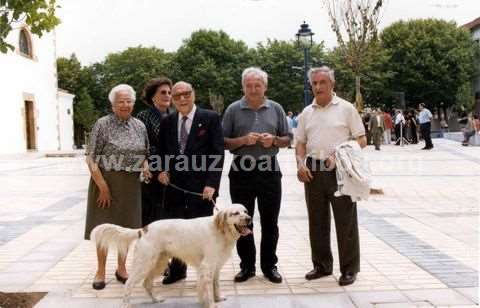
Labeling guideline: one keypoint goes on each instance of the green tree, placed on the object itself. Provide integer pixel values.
(283, 61)
(465, 99)
(69, 73)
(39, 15)
(355, 23)
(213, 63)
(134, 66)
(432, 59)
(78, 80)
(84, 116)
(375, 77)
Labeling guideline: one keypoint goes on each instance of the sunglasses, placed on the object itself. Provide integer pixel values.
(185, 94)
(165, 92)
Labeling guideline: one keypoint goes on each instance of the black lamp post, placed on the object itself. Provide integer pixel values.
(304, 40)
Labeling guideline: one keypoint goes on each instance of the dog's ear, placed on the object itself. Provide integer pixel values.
(221, 220)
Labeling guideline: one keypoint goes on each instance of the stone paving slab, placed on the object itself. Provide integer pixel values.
(281, 301)
(419, 241)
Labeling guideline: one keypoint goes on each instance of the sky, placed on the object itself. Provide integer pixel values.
(94, 28)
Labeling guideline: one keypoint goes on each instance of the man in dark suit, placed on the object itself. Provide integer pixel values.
(192, 152)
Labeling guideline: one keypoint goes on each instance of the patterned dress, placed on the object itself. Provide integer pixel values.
(119, 147)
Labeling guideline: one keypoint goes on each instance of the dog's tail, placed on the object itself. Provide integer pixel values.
(106, 235)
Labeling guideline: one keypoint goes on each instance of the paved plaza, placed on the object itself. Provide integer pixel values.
(419, 240)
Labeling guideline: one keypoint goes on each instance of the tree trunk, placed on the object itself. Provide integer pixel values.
(358, 94)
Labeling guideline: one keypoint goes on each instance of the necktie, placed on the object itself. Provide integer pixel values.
(183, 134)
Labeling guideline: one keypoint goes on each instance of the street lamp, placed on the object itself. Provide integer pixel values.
(304, 39)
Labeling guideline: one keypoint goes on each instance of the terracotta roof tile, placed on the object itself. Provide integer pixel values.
(473, 24)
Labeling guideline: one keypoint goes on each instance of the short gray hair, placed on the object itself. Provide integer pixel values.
(322, 69)
(183, 83)
(118, 88)
(256, 72)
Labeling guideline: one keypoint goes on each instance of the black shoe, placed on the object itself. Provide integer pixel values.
(98, 285)
(316, 273)
(244, 275)
(173, 277)
(347, 279)
(120, 278)
(273, 275)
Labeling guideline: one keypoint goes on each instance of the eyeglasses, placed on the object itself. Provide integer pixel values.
(165, 92)
(185, 94)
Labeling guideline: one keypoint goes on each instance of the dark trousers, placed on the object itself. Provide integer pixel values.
(467, 135)
(414, 134)
(185, 206)
(377, 136)
(425, 130)
(399, 130)
(368, 134)
(152, 202)
(266, 188)
(319, 194)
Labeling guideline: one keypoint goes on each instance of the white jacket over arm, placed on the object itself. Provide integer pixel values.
(353, 174)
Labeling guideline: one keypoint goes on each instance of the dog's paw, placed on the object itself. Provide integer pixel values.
(220, 299)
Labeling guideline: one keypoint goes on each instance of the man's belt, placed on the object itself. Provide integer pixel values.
(317, 164)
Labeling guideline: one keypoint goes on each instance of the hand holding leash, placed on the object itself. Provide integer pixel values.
(208, 193)
(195, 193)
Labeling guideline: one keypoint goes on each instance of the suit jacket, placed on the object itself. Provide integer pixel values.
(374, 123)
(202, 161)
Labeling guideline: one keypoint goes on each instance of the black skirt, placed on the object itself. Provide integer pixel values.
(152, 202)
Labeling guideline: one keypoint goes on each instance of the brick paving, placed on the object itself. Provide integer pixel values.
(419, 241)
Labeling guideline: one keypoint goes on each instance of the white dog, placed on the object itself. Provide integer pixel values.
(205, 243)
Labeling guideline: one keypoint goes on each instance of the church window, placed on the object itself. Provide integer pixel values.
(25, 43)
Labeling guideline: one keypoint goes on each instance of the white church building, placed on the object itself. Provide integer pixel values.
(36, 115)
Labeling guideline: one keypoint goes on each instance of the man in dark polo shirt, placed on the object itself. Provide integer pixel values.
(254, 128)
(322, 126)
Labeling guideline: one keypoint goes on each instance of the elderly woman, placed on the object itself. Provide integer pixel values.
(157, 95)
(115, 157)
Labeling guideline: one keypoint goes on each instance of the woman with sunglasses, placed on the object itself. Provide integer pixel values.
(157, 95)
